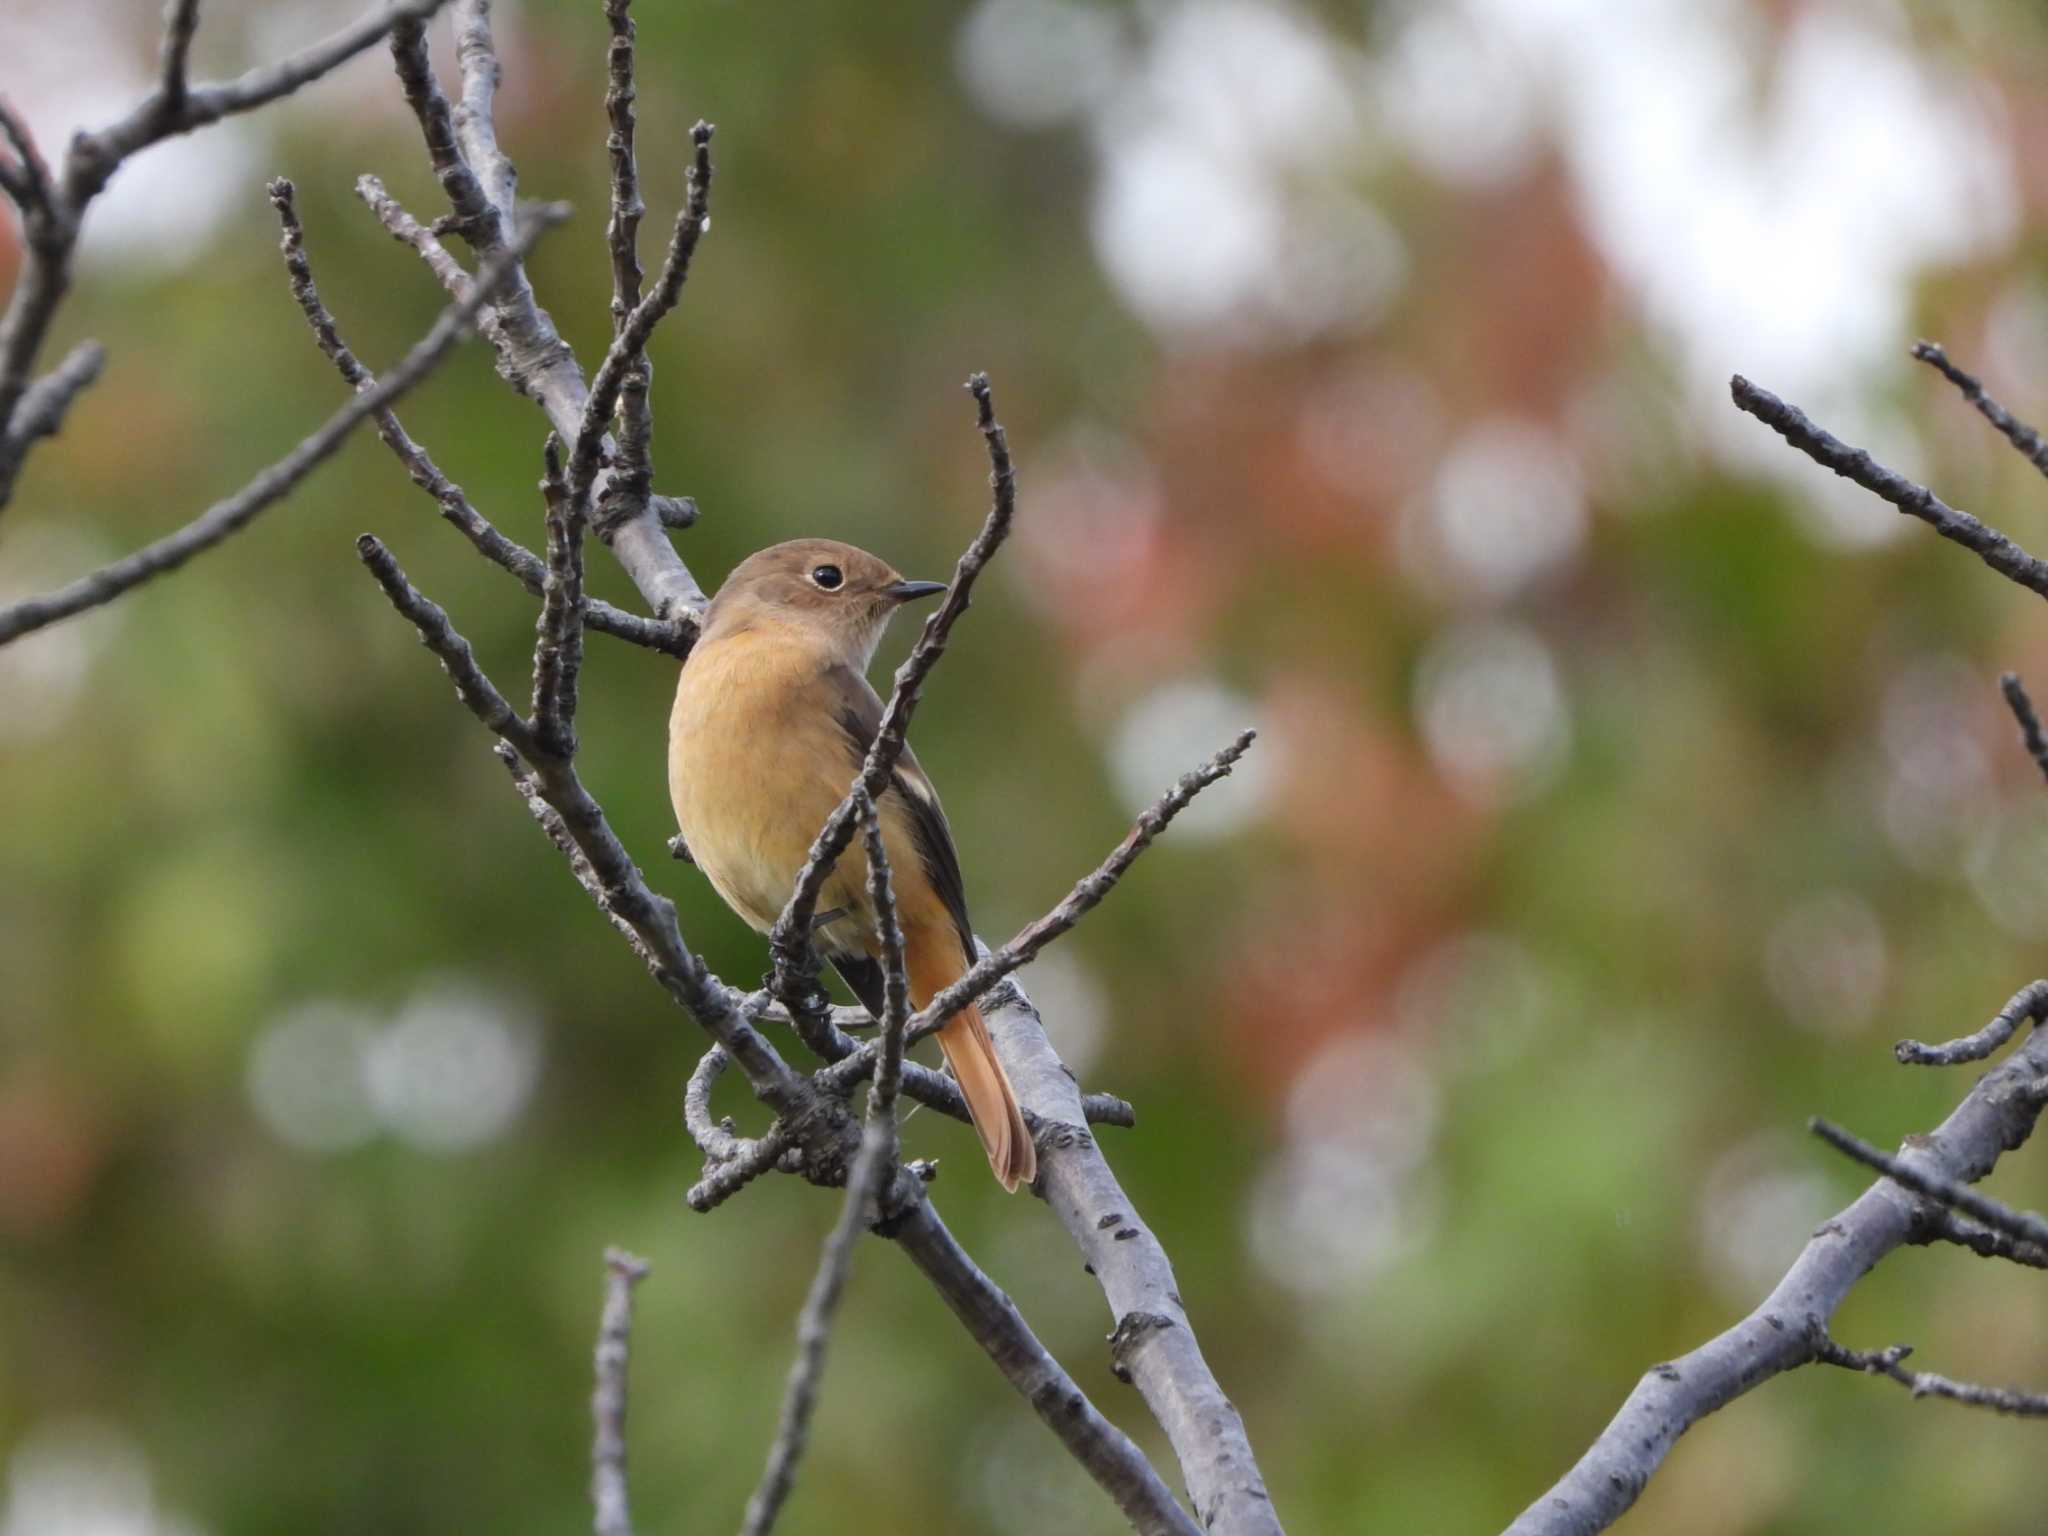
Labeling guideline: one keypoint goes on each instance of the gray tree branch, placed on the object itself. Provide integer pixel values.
(1791, 1325)
(53, 208)
(454, 506)
(270, 486)
(608, 1490)
(1924, 1196)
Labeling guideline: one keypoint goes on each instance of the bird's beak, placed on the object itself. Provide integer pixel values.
(905, 591)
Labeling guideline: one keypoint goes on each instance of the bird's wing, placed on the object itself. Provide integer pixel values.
(864, 975)
(858, 709)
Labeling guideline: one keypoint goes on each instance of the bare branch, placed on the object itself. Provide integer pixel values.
(94, 157)
(2017, 432)
(602, 866)
(608, 1492)
(478, 693)
(2022, 709)
(1945, 1226)
(628, 350)
(409, 231)
(28, 178)
(1155, 1345)
(54, 212)
(43, 404)
(1885, 1362)
(813, 1333)
(558, 651)
(477, 217)
(1116, 1464)
(2028, 1005)
(531, 354)
(493, 545)
(1085, 896)
(476, 54)
(270, 486)
(1088, 893)
(2020, 1226)
(895, 980)
(1787, 1328)
(181, 20)
(790, 940)
(1830, 452)
(622, 231)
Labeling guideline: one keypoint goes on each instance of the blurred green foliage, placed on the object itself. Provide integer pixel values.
(262, 793)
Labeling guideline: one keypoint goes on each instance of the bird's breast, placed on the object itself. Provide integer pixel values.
(756, 764)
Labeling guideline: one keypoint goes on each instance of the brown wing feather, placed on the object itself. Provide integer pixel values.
(860, 717)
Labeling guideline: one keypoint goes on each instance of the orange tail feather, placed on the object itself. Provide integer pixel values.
(991, 1101)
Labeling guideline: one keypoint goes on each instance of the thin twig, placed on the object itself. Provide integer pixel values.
(1946, 1226)
(992, 1318)
(28, 181)
(2021, 1226)
(455, 507)
(531, 354)
(54, 209)
(622, 230)
(2022, 709)
(1885, 1362)
(2028, 1005)
(476, 55)
(790, 940)
(602, 865)
(608, 1489)
(2017, 432)
(227, 517)
(1786, 1329)
(895, 980)
(439, 635)
(558, 649)
(181, 20)
(1830, 452)
(814, 1333)
(1086, 895)
(629, 346)
(43, 403)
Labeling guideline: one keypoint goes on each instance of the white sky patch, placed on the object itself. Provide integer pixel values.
(1225, 207)
(1505, 509)
(83, 1477)
(450, 1071)
(1776, 235)
(73, 65)
(1769, 204)
(1035, 63)
(306, 1079)
(1176, 728)
(1493, 710)
(455, 1067)
(1350, 1192)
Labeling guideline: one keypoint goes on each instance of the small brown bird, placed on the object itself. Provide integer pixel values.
(773, 718)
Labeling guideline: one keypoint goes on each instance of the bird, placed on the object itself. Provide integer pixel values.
(773, 718)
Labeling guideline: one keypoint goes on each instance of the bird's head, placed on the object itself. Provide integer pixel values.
(831, 593)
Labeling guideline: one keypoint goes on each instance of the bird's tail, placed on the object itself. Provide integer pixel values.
(991, 1101)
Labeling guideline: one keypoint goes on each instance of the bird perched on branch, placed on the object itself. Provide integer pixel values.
(773, 719)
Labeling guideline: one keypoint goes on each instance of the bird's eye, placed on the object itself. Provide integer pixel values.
(827, 576)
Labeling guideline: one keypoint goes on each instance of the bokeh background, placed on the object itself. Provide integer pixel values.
(1626, 787)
